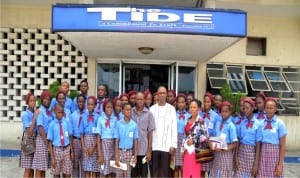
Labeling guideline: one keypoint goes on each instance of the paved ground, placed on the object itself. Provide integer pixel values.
(9, 168)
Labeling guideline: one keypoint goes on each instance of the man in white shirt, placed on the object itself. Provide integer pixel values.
(164, 136)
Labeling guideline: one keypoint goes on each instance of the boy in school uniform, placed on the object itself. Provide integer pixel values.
(76, 120)
(60, 144)
(101, 96)
(126, 142)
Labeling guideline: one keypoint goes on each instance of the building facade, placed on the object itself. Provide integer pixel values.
(33, 56)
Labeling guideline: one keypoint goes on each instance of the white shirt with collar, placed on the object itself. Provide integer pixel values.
(165, 133)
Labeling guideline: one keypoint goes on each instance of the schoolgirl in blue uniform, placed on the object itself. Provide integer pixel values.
(41, 161)
(248, 149)
(118, 108)
(76, 120)
(223, 159)
(29, 134)
(260, 106)
(61, 99)
(210, 117)
(88, 136)
(237, 120)
(64, 87)
(273, 142)
(126, 136)
(182, 118)
(60, 144)
(106, 127)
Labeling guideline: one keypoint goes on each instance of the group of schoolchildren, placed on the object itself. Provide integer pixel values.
(80, 137)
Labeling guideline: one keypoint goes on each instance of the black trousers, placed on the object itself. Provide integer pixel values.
(140, 169)
(160, 164)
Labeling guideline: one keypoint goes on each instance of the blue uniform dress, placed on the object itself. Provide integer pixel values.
(88, 129)
(27, 160)
(76, 119)
(41, 159)
(237, 120)
(126, 133)
(99, 106)
(182, 119)
(260, 115)
(223, 161)
(61, 150)
(119, 116)
(248, 137)
(106, 129)
(270, 133)
(211, 117)
(68, 103)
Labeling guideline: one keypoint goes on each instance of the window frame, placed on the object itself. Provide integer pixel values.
(264, 79)
(271, 81)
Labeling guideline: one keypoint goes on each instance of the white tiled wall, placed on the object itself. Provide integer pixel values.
(31, 59)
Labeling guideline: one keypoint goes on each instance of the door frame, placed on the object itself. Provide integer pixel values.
(171, 64)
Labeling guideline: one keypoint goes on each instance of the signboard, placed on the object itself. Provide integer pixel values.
(148, 19)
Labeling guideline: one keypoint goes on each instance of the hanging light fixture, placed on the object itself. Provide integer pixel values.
(146, 50)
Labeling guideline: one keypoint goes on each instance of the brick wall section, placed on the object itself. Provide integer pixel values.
(31, 59)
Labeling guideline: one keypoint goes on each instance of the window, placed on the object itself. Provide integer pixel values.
(216, 75)
(293, 78)
(277, 81)
(257, 80)
(256, 46)
(219, 75)
(236, 79)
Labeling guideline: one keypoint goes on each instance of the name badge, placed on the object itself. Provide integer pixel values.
(210, 125)
(66, 134)
(273, 130)
(94, 129)
(131, 134)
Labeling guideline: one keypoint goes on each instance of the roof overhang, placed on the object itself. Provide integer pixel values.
(173, 33)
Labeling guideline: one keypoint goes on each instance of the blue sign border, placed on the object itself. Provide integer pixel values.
(75, 18)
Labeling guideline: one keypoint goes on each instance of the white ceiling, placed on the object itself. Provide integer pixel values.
(178, 47)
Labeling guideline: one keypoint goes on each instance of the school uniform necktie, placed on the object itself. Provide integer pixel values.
(80, 118)
(206, 115)
(90, 118)
(181, 116)
(261, 115)
(249, 124)
(221, 126)
(48, 112)
(107, 123)
(61, 132)
(239, 121)
(268, 126)
(99, 106)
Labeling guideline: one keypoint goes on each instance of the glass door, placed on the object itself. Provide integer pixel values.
(141, 77)
(110, 75)
(173, 77)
